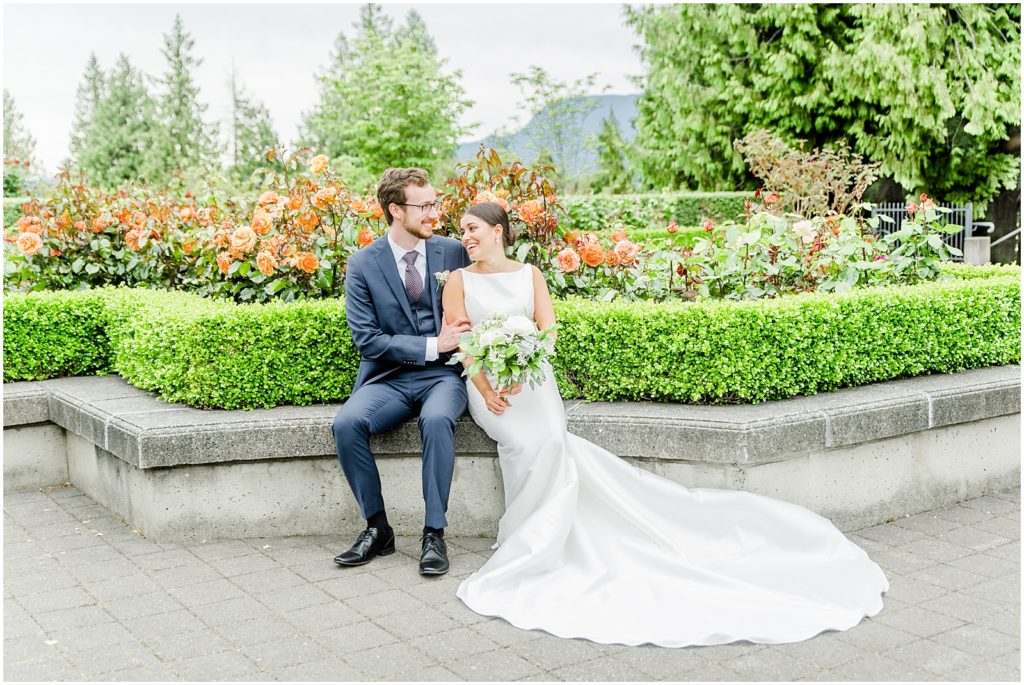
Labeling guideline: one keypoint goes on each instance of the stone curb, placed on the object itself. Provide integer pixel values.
(146, 432)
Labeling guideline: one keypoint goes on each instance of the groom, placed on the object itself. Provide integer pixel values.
(393, 306)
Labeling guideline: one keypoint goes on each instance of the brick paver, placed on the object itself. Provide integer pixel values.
(87, 598)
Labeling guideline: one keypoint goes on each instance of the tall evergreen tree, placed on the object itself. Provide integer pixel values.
(116, 139)
(386, 101)
(182, 140)
(931, 91)
(18, 142)
(252, 132)
(614, 174)
(88, 95)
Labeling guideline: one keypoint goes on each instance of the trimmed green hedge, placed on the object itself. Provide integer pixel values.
(53, 334)
(724, 352)
(218, 354)
(650, 210)
(966, 271)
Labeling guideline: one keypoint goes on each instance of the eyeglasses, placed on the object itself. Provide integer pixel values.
(425, 207)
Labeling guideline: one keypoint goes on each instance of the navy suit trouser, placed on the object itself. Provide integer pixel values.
(438, 395)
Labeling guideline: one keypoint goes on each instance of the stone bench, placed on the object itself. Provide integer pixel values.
(859, 456)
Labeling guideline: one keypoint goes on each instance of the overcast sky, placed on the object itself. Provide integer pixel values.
(278, 49)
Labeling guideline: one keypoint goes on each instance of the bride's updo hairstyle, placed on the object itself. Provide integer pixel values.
(495, 215)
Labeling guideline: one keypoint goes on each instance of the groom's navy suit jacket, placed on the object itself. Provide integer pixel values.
(382, 322)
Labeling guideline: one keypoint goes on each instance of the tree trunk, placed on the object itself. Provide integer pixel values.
(885, 190)
(1004, 212)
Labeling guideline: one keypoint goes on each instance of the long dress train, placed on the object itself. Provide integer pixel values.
(592, 547)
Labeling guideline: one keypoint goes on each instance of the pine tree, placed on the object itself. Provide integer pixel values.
(115, 141)
(252, 132)
(386, 101)
(88, 95)
(18, 142)
(182, 140)
(614, 175)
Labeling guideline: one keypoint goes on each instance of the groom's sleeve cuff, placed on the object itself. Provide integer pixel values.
(431, 350)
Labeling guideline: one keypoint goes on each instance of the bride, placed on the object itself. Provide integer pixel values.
(592, 547)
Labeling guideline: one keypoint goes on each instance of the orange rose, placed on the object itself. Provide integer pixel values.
(484, 196)
(296, 202)
(571, 236)
(627, 252)
(590, 239)
(29, 224)
(318, 164)
(530, 210)
(365, 237)
(325, 196)
(376, 211)
(243, 239)
(307, 261)
(187, 214)
(132, 239)
(268, 198)
(222, 238)
(501, 201)
(138, 218)
(261, 222)
(98, 224)
(265, 262)
(309, 220)
(592, 254)
(672, 227)
(29, 243)
(568, 260)
(358, 206)
(188, 246)
(619, 236)
(224, 261)
(287, 250)
(80, 225)
(612, 258)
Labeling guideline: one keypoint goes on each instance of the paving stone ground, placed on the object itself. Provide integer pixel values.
(86, 598)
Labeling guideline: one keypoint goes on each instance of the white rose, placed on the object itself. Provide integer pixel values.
(487, 338)
(520, 325)
(805, 229)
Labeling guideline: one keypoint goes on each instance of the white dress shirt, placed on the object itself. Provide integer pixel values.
(421, 268)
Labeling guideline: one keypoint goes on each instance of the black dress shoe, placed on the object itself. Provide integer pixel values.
(434, 557)
(370, 543)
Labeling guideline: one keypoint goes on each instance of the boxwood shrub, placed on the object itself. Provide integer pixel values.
(218, 354)
(650, 210)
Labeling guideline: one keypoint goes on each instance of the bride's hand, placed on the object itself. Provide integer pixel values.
(496, 404)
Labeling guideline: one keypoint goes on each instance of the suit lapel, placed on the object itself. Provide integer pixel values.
(386, 262)
(435, 264)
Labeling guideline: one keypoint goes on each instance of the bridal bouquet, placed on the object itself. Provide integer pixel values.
(509, 349)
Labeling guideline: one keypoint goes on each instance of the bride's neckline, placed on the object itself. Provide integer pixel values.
(497, 273)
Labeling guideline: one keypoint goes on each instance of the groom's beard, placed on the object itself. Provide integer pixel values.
(419, 229)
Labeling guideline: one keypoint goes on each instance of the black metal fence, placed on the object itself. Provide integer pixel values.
(960, 215)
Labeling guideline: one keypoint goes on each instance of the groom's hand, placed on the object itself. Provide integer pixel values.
(448, 340)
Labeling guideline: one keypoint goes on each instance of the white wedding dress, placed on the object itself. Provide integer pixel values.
(592, 547)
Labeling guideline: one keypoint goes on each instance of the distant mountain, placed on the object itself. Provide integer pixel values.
(521, 142)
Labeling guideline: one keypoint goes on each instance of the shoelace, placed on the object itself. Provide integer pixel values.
(433, 543)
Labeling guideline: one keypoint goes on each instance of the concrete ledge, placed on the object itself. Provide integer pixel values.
(147, 432)
(859, 456)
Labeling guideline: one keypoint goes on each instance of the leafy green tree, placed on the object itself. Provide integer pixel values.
(614, 174)
(930, 91)
(18, 142)
(181, 140)
(385, 99)
(87, 96)
(252, 132)
(559, 110)
(115, 141)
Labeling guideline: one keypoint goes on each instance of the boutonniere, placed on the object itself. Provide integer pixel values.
(441, 277)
